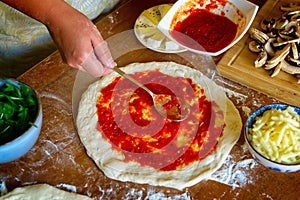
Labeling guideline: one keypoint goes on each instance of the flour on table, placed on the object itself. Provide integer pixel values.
(152, 194)
(246, 110)
(236, 173)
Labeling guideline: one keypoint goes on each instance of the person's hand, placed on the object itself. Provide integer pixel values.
(80, 43)
(78, 40)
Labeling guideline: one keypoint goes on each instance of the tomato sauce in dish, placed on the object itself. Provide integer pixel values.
(127, 120)
(203, 30)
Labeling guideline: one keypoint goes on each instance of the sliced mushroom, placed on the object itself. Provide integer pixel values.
(278, 42)
(281, 23)
(258, 35)
(288, 68)
(261, 59)
(296, 17)
(255, 47)
(290, 7)
(272, 33)
(291, 26)
(294, 51)
(278, 57)
(283, 35)
(291, 12)
(268, 47)
(296, 62)
(276, 70)
(265, 25)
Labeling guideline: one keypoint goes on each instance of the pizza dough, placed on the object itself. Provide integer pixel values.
(112, 163)
(42, 192)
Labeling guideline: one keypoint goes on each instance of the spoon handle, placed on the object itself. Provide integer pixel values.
(122, 73)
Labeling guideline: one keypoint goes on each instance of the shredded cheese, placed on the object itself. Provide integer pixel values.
(276, 135)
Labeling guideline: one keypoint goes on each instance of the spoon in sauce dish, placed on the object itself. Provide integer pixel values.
(162, 102)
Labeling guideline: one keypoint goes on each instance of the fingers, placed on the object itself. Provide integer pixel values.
(93, 57)
(99, 62)
(107, 70)
(103, 54)
(93, 66)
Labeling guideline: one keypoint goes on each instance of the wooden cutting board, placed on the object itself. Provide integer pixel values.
(237, 64)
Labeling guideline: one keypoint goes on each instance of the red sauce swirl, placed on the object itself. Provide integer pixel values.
(127, 119)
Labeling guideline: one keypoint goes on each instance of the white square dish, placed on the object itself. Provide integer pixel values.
(240, 12)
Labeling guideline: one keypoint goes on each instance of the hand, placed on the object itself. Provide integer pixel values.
(80, 43)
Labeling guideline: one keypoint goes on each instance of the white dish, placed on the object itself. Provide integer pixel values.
(240, 12)
(147, 33)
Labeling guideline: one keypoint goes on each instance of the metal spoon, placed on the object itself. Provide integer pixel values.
(160, 100)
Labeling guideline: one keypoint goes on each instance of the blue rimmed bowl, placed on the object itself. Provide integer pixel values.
(277, 166)
(18, 145)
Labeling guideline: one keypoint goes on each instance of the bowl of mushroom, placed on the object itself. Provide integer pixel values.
(272, 134)
(276, 41)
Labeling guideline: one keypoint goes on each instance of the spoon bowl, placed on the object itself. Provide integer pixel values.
(166, 105)
(173, 112)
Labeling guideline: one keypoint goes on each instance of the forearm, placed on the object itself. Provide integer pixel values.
(44, 11)
(76, 37)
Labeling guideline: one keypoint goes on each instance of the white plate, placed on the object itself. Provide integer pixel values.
(150, 36)
(240, 12)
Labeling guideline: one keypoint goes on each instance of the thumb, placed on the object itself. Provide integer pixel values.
(93, 66)
(104, 55)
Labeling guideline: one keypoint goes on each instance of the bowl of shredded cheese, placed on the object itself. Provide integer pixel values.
(272, 134)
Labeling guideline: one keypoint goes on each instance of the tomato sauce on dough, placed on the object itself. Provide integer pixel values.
(205, 31)
(127, 120)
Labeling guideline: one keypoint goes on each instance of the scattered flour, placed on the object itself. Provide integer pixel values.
(152, 194)
(246, 110)
(236, 173)
(68, 187)
(3, 189)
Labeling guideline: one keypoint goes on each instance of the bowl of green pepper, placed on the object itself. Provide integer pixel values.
(20, 119)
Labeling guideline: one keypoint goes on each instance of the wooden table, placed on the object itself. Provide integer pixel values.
(59, 158)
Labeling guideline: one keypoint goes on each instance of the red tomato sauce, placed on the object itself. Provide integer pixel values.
(205, 31)
(127, 119)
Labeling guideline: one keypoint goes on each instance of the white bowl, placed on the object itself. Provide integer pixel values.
(240, 12)
(20, 145)
(259, 157)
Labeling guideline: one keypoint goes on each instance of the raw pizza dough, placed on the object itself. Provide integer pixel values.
(41, 192)
(111, 162)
